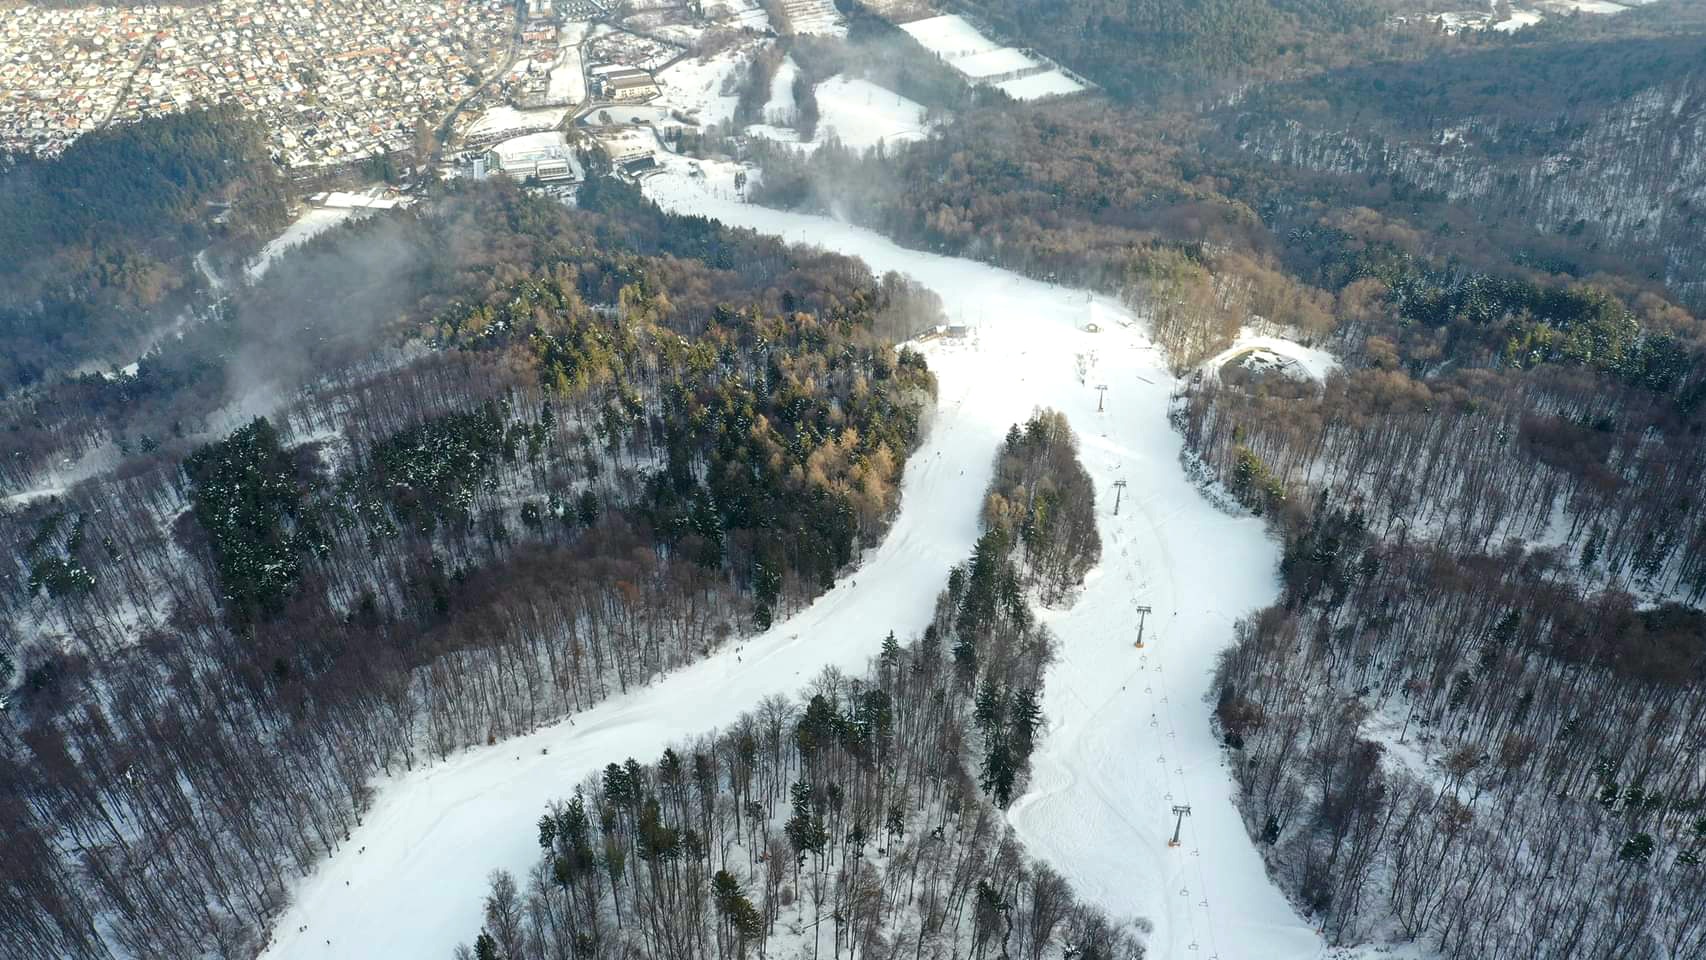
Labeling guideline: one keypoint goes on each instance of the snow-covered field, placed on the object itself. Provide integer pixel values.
(862, 113)
(1517, 20)
(950, 36)
(568, 80)
(313, 222)
(501, 119)
(1050, 83)
(695, 86)
(982, 60)
(994, 63)
(1600, 7)
(1128, 731)
(858, 112)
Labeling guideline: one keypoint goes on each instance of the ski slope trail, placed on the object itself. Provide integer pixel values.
(1128, 730)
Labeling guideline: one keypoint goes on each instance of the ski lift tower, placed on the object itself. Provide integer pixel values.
(1101, 394)
(1142, 615)
(1119, 489)
(1180, 812)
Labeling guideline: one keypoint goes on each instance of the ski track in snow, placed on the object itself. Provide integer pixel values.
(1128, 733)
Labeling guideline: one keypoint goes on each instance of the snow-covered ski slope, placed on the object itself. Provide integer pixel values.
(1128, 731)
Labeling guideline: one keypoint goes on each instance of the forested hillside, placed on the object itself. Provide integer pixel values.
(863, 816)
(1461, 716)
(95, 245)
(451, 473)
(1479, 699)
(604, 443)
(1597, 142)
(1146, 49)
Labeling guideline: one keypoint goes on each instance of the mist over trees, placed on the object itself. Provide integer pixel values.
(521, 485)
(95, 244)
(450, 473)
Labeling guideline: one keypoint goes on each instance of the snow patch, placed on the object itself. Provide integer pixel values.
(1022, 75)
(1053, 83)
(861, 113)
(1276, 354)
(501, 119)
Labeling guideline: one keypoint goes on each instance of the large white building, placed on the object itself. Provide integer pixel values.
(544, 156)
(626, 85)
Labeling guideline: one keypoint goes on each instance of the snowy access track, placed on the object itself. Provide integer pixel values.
(1128, 735)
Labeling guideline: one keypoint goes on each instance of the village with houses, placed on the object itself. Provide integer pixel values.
(528, 89)
(332, 81)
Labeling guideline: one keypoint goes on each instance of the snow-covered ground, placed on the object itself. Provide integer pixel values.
(338, 207)
(1601, 7)
(817, 17)
(994, 63)
(741, 13)
(982, 60)
(312, 223)
(1294, 357)
(1518, 19)
(858, 112)
(1128, 732)
(1050, 83)
(950, 36)
(779, 109)
(65, 475)
(695, 86)
(1530, 13)
(862, 113)
(568, 80)
(502, 119)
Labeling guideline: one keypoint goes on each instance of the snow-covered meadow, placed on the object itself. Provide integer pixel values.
(1128, 732)
(698, 86)
(861, 114)
(854, 110)
(817, 17)
(310, 224)
(960, 44)
(568, 76)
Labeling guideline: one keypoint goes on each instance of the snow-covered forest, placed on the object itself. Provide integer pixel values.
(568, 483)
(333, 576)
(862, 817)
(1478, 699)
